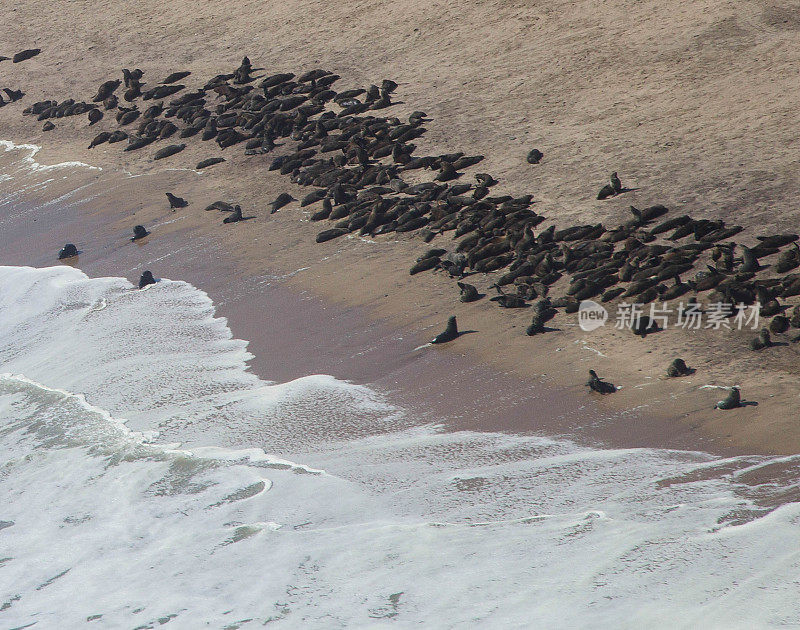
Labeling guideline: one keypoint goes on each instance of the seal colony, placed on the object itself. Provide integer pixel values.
(364, 172)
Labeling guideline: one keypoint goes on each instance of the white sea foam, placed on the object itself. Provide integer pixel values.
(33, 149)
(225, 501)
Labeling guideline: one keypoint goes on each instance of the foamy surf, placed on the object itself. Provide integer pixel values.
(225, 501)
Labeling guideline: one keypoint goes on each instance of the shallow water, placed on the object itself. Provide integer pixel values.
(149, 478)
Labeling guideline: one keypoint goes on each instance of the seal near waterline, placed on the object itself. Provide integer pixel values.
(24, 55)
(450, 333)
(280, 201)
(678, 368)
(468, 292)
(139, 231)
(167, 151)
(176, 202)
(208, 162)
(146, 278)
(95, 115)
(235, 216)
(68, 251)
(731, 401)
(596, 384)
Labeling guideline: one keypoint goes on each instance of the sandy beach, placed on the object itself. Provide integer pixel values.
(556, 78)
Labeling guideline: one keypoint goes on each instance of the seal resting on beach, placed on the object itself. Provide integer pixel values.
(26, 54)
(48, 126)
(596, 384)
(176, 202)
(468, 292)
(731, 401)
(68, 251)
(235, 216)
(762, 341)
(280, 201)
(208, 162)
(450, 333)
(167, 151)
(678, 368)
(139, 231)
(534, 156)
(146, 278)
(95, 115)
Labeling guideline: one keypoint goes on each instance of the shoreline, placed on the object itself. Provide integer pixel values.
(294, 327)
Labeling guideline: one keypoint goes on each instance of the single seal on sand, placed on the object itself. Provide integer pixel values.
(534, 156)
(139, 231)
(176, 202)
(678, 368)
(450, 333)
(596, 384)
(731, 401)
(26, 54)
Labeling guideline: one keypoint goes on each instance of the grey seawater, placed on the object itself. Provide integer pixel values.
(149, 479)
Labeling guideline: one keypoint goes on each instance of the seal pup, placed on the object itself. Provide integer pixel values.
(779, 324)
(450, 333)
(68, 251)
(678, 368)
(616, 184)
(762, 341)
(176, 202)
(534, 156)
(48, 126)
(146, 278)
(596, 384)
(139, 231)
(731, 401)
(95, 115)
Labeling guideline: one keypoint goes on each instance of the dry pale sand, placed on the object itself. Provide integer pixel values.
(692, 103)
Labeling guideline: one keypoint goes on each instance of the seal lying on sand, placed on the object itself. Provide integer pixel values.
(139, 231)
(596, 384)
(26, 54)
(235, 216)
(146, 278)
(678, 368)
(450, 333)
(731, 401)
